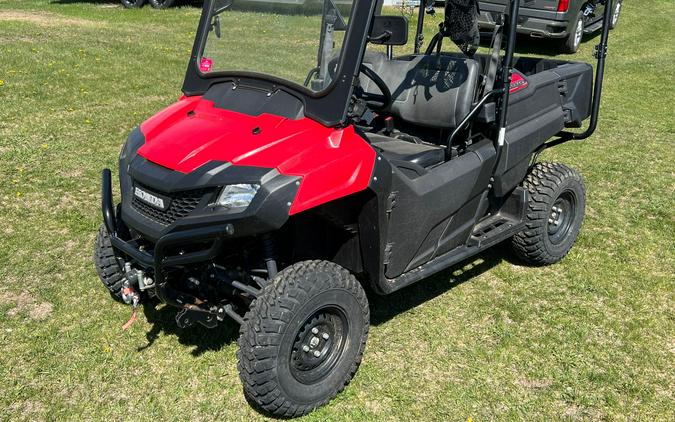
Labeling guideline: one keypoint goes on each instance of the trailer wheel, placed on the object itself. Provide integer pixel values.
(303, 338)
(554, 216)
(571, 43)
(161, 4)
(133, 4)
(107, 267)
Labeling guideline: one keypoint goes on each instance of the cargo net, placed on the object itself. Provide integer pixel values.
(461, 24)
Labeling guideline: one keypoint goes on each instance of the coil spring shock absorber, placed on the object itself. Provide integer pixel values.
(270, 256)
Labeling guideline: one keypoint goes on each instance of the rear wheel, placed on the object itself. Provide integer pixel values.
(161, 4)
(303, 338)
(571, 43)
(133, 4)
(616, 13)
(107, 265)
(554, 216)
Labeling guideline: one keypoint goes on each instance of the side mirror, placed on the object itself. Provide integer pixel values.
(215, 26)
(389, 30)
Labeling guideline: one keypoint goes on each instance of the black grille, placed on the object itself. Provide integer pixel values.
(182, 204)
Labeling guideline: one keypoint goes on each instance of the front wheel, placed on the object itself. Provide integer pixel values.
(554, 216)
(303, 338)
(107, 265)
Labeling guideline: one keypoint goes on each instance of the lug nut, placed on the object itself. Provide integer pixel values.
(315, 330)
(325, 336)
(317, 353)
(305, 348)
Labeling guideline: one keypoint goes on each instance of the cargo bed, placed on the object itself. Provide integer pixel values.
(553, 95)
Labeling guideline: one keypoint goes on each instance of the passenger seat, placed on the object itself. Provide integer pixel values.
(430, 91)
(434, 91)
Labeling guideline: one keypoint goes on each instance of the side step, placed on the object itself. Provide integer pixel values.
(594, 27)
(492, 230)
(507, 222)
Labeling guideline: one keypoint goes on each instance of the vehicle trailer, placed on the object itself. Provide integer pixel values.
(565, 21)
(275, 199)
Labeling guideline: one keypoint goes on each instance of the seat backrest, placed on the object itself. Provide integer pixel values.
(434, 91)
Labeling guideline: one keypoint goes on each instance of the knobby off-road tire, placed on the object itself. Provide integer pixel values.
(106, 265)
(303, 338)
(554, 216)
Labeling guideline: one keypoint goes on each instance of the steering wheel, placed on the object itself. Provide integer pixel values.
(375, 101)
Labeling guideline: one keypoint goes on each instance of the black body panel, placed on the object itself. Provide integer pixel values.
(421, 220)
(557, 96)
(396, 150)
(254, 101)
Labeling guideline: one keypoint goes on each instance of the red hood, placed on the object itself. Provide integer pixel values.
(333, 163)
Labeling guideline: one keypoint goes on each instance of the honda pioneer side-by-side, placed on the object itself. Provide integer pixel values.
(306, 161)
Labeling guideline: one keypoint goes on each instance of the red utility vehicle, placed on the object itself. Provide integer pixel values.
(272, 198)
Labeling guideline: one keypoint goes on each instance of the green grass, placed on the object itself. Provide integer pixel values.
(590, 338)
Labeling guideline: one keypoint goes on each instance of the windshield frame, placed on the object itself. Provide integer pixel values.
(329, 106)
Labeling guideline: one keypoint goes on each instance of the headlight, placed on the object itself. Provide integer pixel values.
(237, 197)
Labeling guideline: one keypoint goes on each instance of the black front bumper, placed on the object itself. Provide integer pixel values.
(157, 259)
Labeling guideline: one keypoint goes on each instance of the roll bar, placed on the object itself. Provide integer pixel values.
(501, 93)
(600, 53)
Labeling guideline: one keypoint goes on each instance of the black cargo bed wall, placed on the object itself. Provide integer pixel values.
(576, 84)
(535, 115)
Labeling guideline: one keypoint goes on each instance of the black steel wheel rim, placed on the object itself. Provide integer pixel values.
(562, 216)
(319, 344)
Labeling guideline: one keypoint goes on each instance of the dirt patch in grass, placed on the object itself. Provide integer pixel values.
(47, 19)
(534, 384)
(30, 409)
(24, 303)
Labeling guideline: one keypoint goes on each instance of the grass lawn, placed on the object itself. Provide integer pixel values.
(590, 338)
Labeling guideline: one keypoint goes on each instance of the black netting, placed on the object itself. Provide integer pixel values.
(461, 24)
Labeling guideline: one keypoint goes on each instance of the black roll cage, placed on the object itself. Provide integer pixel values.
(502, 86)
(329, 107)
